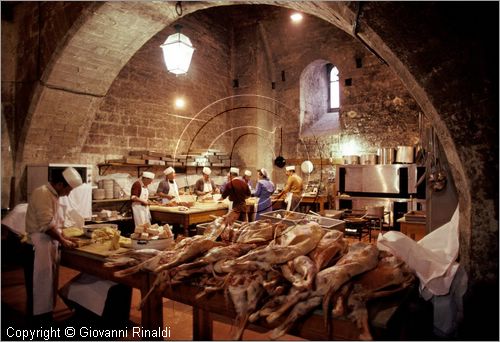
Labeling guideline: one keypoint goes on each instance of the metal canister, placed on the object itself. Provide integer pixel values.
(405, 154)
(368, 159)
(386, 155)
(351, 160)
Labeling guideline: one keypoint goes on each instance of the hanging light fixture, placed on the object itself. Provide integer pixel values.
(177, 52)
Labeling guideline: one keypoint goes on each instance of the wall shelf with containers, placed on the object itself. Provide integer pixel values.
(153, 161)
(179, 168)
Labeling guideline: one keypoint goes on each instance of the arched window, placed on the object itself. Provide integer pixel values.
(319, 99)
(333, 88)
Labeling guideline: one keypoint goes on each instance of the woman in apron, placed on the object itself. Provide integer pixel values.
(264, 190)
(139, 195)
(44, 221)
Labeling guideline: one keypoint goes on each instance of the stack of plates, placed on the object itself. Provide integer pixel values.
(98, 194)
(108, 186)
(117, 191)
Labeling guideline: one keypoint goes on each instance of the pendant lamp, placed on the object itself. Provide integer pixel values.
(177, 52)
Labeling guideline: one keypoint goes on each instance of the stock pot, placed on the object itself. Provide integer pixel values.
(386, 155)
(350, 160)
(404, 154)
(368, 159)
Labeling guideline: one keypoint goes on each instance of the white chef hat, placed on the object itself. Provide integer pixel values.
(264, 172)
(206, 170)
(72, 177)
(234, 170)
(290, 168)
(148, 174)
(168, 170)
(248, 173)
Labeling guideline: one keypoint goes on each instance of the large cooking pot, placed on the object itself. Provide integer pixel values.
(376, 211)
(368, 159)
(386, 155)
(404, 154)
(350, 160)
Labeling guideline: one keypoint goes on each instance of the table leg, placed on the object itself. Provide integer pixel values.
(186, 226)
(322, 207)
(202, 325)
(152, 310)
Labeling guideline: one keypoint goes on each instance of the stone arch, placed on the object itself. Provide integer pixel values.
(314, 117)
(90, 82)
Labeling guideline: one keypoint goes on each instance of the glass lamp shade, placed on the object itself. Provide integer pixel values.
(177, 53)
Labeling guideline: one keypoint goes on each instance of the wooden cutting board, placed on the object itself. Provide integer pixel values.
(101, 249)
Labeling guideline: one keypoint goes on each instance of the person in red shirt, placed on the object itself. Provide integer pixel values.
(238, 191)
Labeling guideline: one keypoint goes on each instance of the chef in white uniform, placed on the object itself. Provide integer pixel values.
(205, 185)
(247, 178)
(139, 195)
(43, 227)
(168, 189)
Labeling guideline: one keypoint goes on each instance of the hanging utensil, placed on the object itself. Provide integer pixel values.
(440, 176)
(419, 149)
(280, 161)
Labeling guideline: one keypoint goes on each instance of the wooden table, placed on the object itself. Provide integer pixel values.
(316, 199)
(320, 200)
(382, 316)
(415, 230)
(151, 312)
(382, 312)
(199, 213)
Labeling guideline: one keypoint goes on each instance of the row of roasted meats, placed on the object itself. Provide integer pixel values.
(272, 271)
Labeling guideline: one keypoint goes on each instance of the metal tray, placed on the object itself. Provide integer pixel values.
(285, 216)
(292, 218)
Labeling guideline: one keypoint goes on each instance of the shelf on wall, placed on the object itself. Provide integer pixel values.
(103, 167)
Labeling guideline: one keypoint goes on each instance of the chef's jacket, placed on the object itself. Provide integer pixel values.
(43, 214)
(203, 186)
(140, 212)
(170, 188)
(294, 184)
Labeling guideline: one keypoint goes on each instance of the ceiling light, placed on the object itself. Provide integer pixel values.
(350, 148)
(296, 17)
(177, 52)
(180, 103)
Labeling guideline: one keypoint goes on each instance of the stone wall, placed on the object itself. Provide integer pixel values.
(265, 56)
(138, 112)
(376, 109)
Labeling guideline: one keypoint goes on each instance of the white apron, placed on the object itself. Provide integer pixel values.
(207, 187)
(46, 267)
(141, 213)
(288, 201)
(173, 190)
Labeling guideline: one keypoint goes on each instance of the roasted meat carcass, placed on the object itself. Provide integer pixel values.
(329, 250)
(390, 276)
(245, 290)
